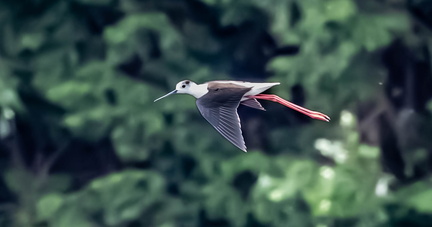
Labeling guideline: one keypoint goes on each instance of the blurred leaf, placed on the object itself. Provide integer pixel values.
(18, 180)
(374, 33)
(48, 205)
(91, 125)
(421, 202)
(340, 10)
(32, 41)
(120, 197)
(417, 196)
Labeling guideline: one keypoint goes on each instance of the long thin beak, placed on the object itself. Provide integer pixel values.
(173, 92)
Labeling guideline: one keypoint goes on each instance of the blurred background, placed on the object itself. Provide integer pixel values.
(83, 145)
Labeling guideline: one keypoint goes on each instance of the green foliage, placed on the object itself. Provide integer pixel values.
(64, 84)
(116, 199)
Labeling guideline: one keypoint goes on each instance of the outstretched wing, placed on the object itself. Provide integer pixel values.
(219, 108)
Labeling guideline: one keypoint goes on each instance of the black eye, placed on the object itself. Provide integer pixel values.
(187, 82)
(183, 86)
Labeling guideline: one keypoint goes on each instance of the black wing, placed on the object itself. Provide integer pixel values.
(219, 108)
(253, 103)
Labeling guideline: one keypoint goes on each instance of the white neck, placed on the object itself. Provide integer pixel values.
(198, 90)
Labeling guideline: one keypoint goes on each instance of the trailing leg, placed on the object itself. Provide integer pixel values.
(310, 113)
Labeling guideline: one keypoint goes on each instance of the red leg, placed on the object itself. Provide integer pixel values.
(310, 113)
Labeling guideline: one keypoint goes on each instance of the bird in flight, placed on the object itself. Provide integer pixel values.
(218, 102)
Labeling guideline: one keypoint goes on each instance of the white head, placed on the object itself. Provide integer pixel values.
(188, 87)
(185, 86)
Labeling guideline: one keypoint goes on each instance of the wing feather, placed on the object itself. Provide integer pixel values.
(253, 103)
(220, 110)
